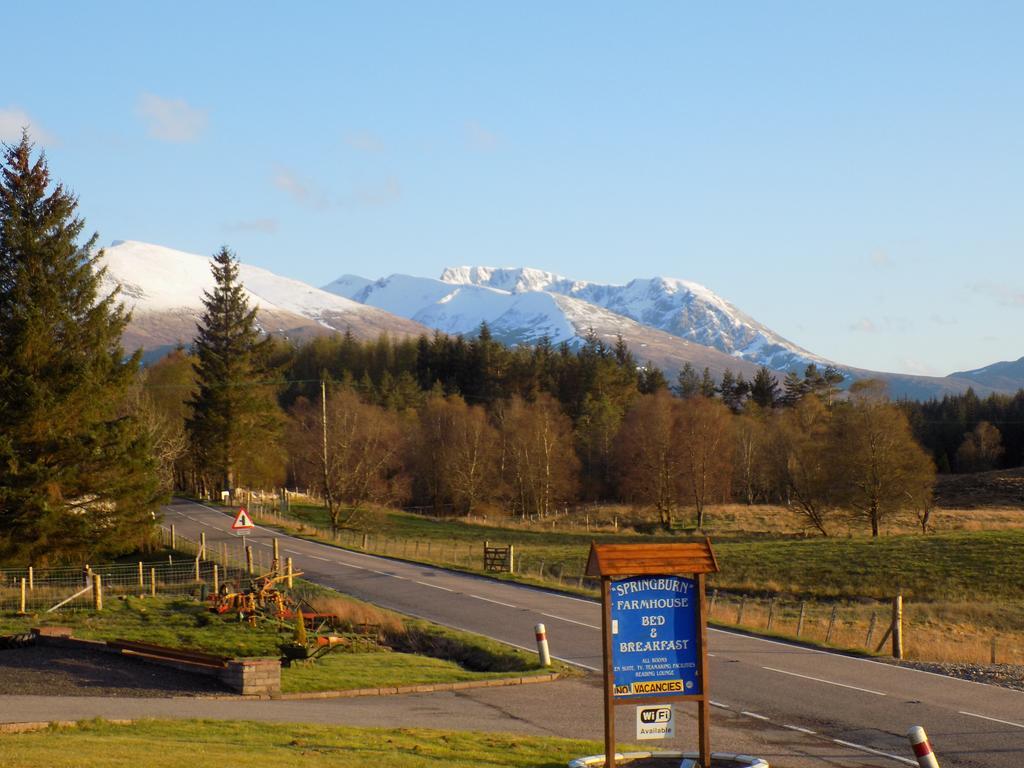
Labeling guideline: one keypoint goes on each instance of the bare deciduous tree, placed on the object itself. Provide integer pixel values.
(353, 459)
(540, 464)
(880, 469)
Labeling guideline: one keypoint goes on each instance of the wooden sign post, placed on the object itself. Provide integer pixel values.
(654, 629)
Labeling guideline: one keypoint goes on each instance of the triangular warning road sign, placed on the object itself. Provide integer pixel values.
(242, 521)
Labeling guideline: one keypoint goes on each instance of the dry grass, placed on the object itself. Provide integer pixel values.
(949, 632)
(351, 615)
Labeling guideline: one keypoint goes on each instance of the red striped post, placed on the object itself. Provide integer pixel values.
(542, 645)
(922, 747)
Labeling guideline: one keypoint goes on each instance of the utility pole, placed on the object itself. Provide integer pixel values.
(327, 473)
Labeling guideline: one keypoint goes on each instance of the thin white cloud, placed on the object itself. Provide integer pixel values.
(480, 138)
(172, 120)
(918, 367)
(884, 325)
(386, 193)
(1006, 296)
(266, 226)
(864, 325)
(14, 119)
(364, 142)
(302, 191)
(881, 259)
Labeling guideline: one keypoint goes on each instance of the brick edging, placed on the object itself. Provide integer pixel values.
(393, 690)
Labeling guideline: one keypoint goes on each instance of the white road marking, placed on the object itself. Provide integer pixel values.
(317, 557)
(349, 565)
(432, 586)
(801, 730)
(794, 647)
(754, 715)
(871, 751)
(711, 655)
(827, 682)
(292, 552)
(993, 719)
(719, 704)
(571, 621)
(382, 573)
(496, 602)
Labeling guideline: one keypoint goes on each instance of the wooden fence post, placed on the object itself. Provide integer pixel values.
(711, 607)
(871, 629)
(248, 561)
(771, 613)
(152, 582)
(897, 627)
(800, 620)
(174, 538)
(739, 613)
(289, 571)
(202, 544)
(216, 580)
(199, 576)
(142, 580)
(993, 656)
(31, 579)
(276, 565)
(21, 609)
(97, 592)
(831, 624)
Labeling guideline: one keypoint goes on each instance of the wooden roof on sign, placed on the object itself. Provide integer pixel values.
(644, 559)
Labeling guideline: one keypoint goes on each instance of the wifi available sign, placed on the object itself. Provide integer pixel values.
(655, 722)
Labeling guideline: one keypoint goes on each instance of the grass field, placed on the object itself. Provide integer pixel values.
(210, 744)
(425, 653)
(962, 582)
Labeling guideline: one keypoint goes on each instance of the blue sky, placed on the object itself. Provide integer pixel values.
(850, 174)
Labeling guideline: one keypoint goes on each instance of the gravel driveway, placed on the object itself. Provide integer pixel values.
(42, 671)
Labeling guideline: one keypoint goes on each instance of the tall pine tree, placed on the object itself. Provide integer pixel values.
(77, 479)
(234, 416)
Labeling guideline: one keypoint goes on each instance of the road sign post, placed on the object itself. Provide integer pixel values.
(243, 524)
(654, 630)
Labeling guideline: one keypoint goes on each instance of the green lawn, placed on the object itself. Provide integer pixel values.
(215, 744)
(947, 566)
(426, 653)
(348, 671)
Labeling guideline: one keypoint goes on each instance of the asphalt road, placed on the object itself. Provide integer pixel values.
(861, 706)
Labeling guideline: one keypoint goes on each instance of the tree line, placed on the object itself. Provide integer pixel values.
(965, 433)
(456, 425)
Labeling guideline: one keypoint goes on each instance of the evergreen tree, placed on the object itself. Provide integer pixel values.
(234, 417)
(650, 379)
(707, 384)
(687, 382)
(765, 390)
(77, 479)
(793, 389)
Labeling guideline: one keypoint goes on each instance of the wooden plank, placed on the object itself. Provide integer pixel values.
(641, 559)
(609, 696)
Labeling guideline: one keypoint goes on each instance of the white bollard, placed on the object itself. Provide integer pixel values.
(922, 747)
(542, 645)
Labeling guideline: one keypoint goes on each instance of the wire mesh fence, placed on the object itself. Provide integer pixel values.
(185, 571)
(929, 632)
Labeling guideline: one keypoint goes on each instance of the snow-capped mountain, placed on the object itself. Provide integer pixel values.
(163, 287)
(665, 321)
(527, 316)
(522, 305)
(679, 307)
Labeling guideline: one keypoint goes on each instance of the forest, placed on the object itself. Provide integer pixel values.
(454, 426)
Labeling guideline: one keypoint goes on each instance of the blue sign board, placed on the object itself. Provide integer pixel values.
(655, 636)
